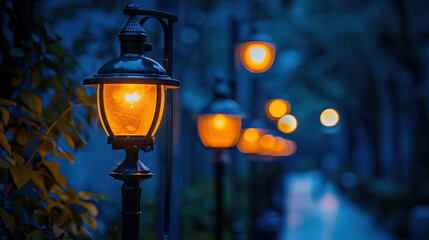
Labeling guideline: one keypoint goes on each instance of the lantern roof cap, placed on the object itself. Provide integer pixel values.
(132, 68)
(222, 104)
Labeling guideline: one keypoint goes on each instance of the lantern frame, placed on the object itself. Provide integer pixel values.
(133, 67)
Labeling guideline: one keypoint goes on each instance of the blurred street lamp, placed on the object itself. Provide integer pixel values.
(287, 124)
(219, 127)
(258, 53)
(329, 117)
(277, 108)
(249, 141)
(130, 98)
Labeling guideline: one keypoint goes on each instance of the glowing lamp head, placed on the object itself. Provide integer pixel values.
(257, 56)
(287, 124)
(249, 141)
(277, 108)
(329, 117)
(219, 130)
(130, 91)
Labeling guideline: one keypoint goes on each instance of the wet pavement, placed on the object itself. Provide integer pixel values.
(316, 210)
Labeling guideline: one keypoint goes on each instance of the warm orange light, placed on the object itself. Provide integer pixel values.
(277, 108)
(249, 141)
(279, 147)
(267, 141)
(287, 124)
(257, 57)
(290, 148)
(130, 108)
(219, 130)
(329, 117)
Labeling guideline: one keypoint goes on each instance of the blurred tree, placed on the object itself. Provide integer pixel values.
(38, 103)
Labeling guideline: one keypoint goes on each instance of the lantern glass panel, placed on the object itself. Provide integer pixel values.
(130, 108)
(219, 130)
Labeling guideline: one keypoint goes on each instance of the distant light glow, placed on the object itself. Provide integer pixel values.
(287, 124)
(267, 141)
(329, 117)
(251, 134)
(257, 56)
(134, 97)
(277, 108)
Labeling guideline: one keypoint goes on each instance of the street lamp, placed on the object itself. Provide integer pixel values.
(257, 53)
(130, 99)
(219, 127)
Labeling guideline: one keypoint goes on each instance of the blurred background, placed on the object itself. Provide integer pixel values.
(366, 177)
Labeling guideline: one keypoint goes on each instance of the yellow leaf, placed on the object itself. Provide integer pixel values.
(69, 140)
(39, 181)
(20, 174)
(32, 101)
(54, 168)
(5, 143)
(7, 102)
(90, 221)
(8, 220)
(44, 147)
(6, 116)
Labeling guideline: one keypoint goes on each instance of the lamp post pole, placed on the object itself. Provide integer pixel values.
(131, 171)
(218, 162)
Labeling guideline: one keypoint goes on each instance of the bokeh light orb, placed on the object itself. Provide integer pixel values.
(267, 141)
(219, 130)
(277, 108)
(329, 117)
(287, 124)
(257, 57)
(249, 141)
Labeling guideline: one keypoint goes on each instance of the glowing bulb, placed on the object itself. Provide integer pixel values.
(257, 54)
(251, 135)
(219, 120)
(329, 117)
(134, 97)
(287, 124)
(277, 108)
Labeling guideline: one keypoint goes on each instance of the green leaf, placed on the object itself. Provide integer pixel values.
(36, 233)
(6, 116)
(36, 74)
(32, 101)
(22, 136)
(39, 181)
(41, 216)
(88, 195)
(20, 174)
(54, 168)
(69, 140)
(63, 154)
(44, 147)
(16, 52)
(8, 220)
(5, 143)
(56, 49)
(7, 102)
(4, 164)
(90, 221)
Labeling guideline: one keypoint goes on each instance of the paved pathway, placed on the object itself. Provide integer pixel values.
(317, 211)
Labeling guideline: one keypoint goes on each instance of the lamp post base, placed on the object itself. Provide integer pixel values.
(132, 171)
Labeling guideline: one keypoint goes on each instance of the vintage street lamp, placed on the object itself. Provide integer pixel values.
(130, 97)
(219, 127)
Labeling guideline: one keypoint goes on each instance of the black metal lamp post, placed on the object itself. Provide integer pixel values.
(130, 97)
(219, 128)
